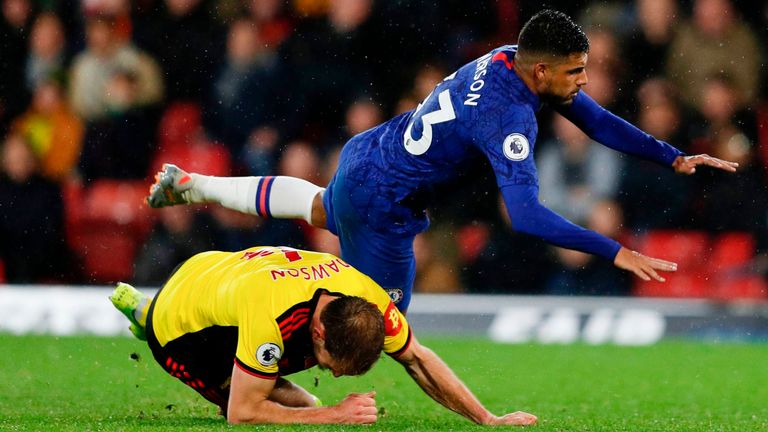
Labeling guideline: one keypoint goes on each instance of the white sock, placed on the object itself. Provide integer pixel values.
(279, 197)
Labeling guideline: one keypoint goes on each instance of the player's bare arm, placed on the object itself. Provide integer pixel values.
(688, 164)
(442, 385)
(292, 395)
(252, 401)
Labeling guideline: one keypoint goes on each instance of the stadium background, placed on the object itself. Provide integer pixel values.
(96, 94)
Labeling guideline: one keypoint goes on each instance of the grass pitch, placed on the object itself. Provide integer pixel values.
(94, 384)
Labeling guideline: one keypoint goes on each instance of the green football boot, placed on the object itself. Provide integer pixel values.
(127, 299)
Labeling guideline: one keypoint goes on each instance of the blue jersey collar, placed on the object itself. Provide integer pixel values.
(506, 55)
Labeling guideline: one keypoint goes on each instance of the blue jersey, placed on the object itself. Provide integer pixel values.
(483, 109)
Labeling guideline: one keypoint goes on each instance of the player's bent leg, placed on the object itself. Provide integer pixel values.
(132, 304)
(292, 395)
(201, 360)
(280, 197)
(386, 257)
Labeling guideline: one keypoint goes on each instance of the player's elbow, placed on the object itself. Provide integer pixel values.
(240, 418)
(237, 416)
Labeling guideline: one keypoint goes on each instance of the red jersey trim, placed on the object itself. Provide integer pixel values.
(400, 352)
(253, 372)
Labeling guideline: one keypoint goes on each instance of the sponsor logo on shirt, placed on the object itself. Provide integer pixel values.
(392, 323)
(516, 147)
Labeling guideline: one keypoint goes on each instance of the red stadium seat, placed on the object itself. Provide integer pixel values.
(687, 248)
(718, 270)
(182, 141)
(180, 122)
(106, 252)
(678, 284)
(202, 157)
(742, 287)
(733, 249)
(106, 231)
(730, 263)
(471, 240)
(121, 202)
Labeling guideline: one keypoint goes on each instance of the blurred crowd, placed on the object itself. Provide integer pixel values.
(96, 94)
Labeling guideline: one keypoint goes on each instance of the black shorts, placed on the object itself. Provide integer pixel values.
(202, 360)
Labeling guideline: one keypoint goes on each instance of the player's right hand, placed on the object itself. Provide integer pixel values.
(643, 266)
(517, 418)
(358, 408)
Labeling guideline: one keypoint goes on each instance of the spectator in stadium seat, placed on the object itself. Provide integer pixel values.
(272, 20)
(32, 241)
(714, 41)
(105, 56)
(436, 267)
(326, 65)
(664, 203)
(16, 17)
(647, 47)
(377, 200)
(120, 144)
(504, 261)
(208, 314)
(740, 204)
(247, 90)
(53, 131)
(187, 42)
(721, 105)
(731, 132)
(259, 155)
(235, 231)
(577, 273)
(179, 234)
(424, 81)
(575, 172)
(606, 70)
(47, 50)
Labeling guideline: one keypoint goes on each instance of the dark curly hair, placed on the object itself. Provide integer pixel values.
(552, 32)
(354, 333)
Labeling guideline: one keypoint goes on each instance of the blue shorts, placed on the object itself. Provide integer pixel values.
(386, 257)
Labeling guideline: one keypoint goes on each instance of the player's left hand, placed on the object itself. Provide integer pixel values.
(688, 164)
(517, 418)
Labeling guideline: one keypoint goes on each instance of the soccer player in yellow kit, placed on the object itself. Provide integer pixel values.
(232, 325)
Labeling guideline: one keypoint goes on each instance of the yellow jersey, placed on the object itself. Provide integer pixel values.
(269, 295)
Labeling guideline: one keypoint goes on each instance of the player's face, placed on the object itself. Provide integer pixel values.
(562, 80)
(326, 362)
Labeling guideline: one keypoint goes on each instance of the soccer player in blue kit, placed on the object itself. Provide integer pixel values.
(374, 203)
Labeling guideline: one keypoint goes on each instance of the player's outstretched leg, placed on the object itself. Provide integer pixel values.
(170, 187)
(132, 304)
(280, 197)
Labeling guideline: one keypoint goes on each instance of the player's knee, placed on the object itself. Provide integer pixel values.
(319, 217)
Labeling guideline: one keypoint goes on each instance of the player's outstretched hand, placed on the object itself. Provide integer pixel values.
(643, 266)
(358, 408)
(517, 418)
(688, 164)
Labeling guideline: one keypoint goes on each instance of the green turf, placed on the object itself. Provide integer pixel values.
(92, 384)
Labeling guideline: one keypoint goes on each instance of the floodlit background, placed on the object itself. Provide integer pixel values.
(96, 94)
